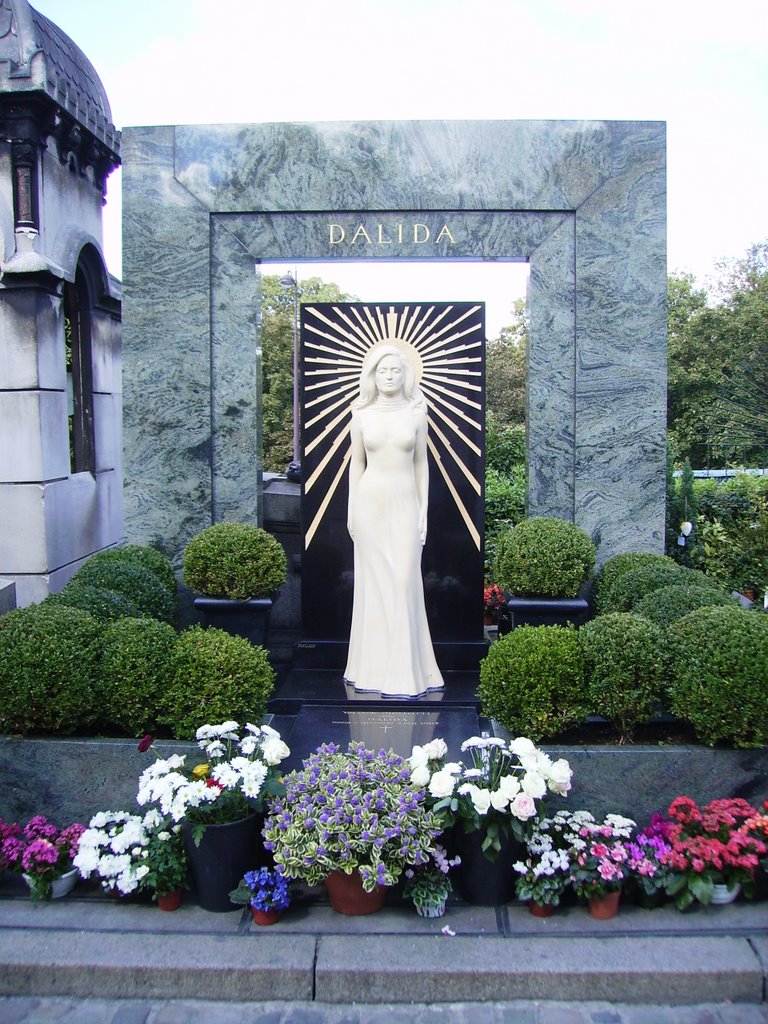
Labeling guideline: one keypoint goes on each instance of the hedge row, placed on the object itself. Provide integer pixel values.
(708, 667)
(102, 656)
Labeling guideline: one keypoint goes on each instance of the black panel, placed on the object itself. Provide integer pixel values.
(449, 339)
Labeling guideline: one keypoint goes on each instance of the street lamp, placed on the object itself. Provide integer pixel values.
(293, 472)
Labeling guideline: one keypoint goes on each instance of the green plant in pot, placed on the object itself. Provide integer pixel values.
(236, 567)
(544, 563)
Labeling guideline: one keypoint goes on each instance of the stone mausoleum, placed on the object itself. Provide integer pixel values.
(60, 414)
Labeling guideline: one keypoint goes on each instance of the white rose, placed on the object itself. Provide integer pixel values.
(481, 799)
(418, 757)
(522, 747)
(509, 786)
(420, 775)
(560, 774)
(534, 785)
(435, 749)
(499, 800)
(523, 806)
(441, 784)
(274, 750)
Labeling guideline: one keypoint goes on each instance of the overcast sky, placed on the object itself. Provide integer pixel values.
(700, 66)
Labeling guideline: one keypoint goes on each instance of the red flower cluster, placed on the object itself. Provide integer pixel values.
(713, 839)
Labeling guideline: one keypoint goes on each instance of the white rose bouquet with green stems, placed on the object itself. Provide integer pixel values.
(497, 793)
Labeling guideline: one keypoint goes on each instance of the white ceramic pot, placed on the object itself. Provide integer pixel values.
(721, 894)
(60, 886)
(430, 909)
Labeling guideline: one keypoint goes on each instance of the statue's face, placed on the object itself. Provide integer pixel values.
(389, 375)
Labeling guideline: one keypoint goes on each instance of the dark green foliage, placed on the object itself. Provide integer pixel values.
(105, 605)
(674, 516)
(216, 678)
(142, 586)
(504, 499)
(614, 568)
(543, 557)
(633, 586)
(669, 604)
(532, 681)
(146, 557)
(623, 666)
(48, 669)
(719, 675)
(685, 553)
(234, 560)
(137, 656)
(504, 446)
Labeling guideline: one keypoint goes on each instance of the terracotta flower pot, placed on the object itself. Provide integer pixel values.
(604, 907)
(169, 900)
(541, 909)
(265, 917)
(348, 896)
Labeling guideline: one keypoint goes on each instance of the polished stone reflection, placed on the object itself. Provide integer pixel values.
(398, 729)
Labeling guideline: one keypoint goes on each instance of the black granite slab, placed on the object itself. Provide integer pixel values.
(390, 727)
(298, 687)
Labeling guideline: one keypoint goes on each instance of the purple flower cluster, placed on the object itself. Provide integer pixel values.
(356, 809)
(40, 848)
(269, 889)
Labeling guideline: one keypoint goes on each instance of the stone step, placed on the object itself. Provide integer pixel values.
(212, 957)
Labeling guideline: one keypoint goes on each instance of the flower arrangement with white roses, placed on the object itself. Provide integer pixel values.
(133, 853)
(232, 782)
(497, 793)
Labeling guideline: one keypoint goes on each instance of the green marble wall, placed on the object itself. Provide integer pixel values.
(582, 201)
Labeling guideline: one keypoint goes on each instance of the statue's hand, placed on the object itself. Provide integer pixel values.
(423, 526)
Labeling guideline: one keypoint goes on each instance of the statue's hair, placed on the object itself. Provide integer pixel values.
(367, 384)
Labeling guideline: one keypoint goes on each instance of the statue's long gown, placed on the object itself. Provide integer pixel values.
(390, 647)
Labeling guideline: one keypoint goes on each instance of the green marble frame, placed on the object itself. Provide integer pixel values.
(582, 202)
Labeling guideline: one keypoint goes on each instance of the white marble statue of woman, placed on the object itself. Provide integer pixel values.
(390, 648)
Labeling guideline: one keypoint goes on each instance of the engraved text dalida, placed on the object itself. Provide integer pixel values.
(400, 233)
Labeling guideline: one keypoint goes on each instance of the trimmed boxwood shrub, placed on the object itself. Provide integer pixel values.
(613, 568)
(215, 678)
(623, 667)
(633, 586)
(136, 666)
(234, 560)
(151, 597)
(532, 681)
(105, 605)
(542, 557)
(146, 557)
(719, 675)
(669, 604)
(48, 669)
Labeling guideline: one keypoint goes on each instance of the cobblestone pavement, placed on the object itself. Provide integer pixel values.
(28, 1010)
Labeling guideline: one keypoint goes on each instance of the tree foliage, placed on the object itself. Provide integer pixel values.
(718, 363)
(505, 359)
(277, 310)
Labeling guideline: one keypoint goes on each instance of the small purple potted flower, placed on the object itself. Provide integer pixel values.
(266, 892)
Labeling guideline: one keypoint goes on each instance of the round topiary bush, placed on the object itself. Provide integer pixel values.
(613, 568)
(669, 604)
(532, 681)
(105, 605)
(633, 586)
(543, 557)
(216, 677)
(719, 675)
(48, 669)
(147, 557)
(623, 667)
(151, 597)
(234, 560)
(136, 667)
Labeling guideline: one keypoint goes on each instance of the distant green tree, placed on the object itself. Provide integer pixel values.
(505, 359)
(277, 361)
(718, 364)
